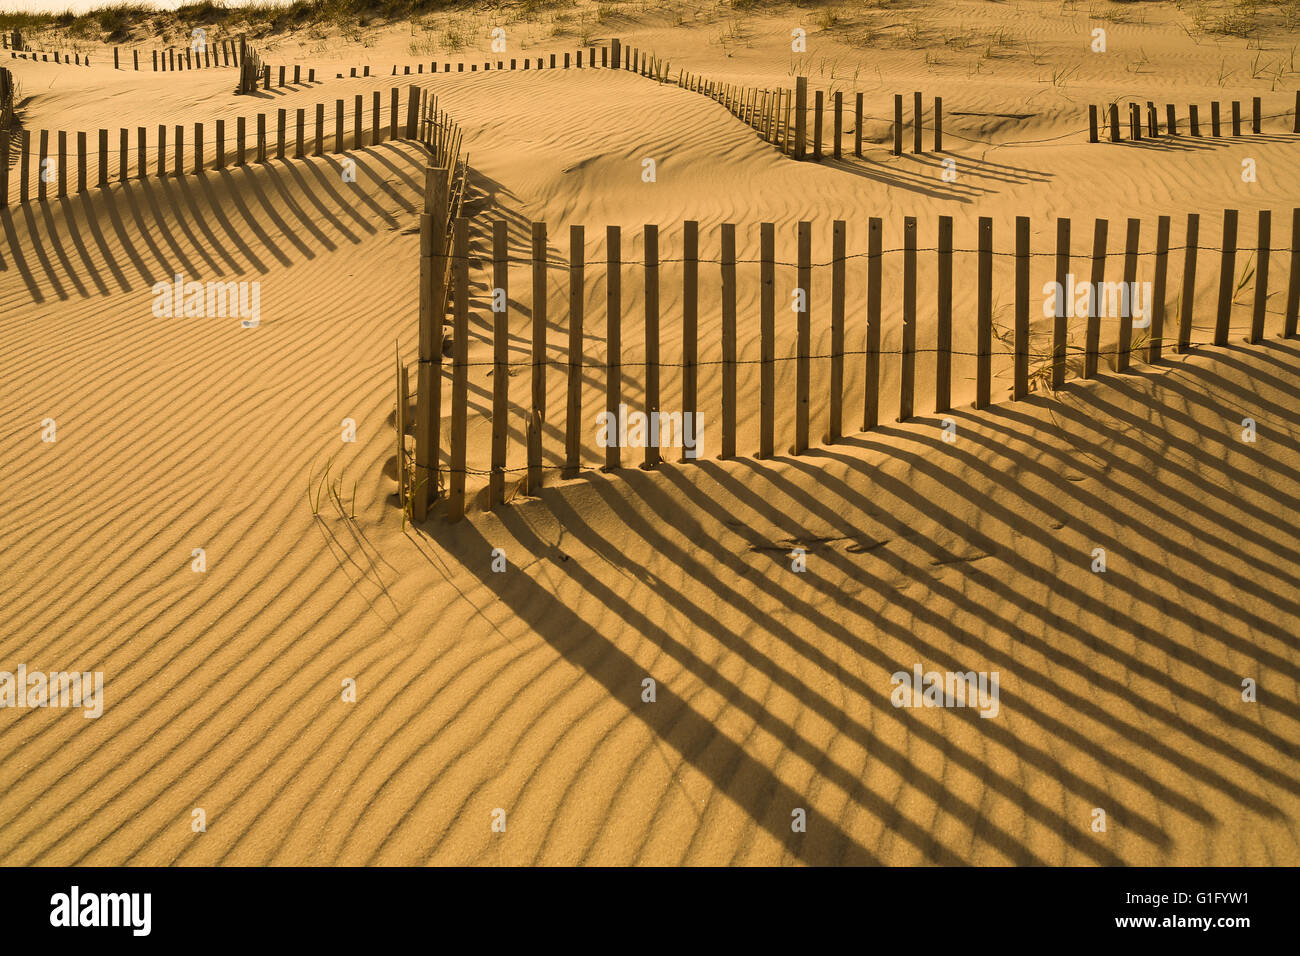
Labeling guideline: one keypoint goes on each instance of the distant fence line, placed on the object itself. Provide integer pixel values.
(222, 54)
(69, 59)
(1107, 119)
(97, 166)
(427, 481)
(558, 61)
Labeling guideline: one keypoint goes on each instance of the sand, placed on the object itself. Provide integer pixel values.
(522, 690)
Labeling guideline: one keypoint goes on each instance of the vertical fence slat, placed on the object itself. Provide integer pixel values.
(399, 427)
(839, 124)
(818, 105)
(460, 372)
(1226, 277)
(573, 422)
(835, 427)
(984, 315)
(907, 357)
(500, 357)
(800, 116)
(24, 165)
(651, 243)
(803, 345)
(1064, 294)
(42, 157)
(1189, 282)
(690, 322)
(1261, 275)
(1092, 338)
(918, 124)
(613, 344)
(1293, 282)
(728, 340)
(1124, 350)
(767, 341)
(1156, 307)
(898, 124)
(871, 359)
(857, 125)
(433, 272)
(1020, 368)
(539, 326)
(943, 324)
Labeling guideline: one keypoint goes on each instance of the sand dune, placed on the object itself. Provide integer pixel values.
(522, 690)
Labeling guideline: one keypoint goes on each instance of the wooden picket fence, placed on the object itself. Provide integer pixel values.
(583, 56)
(97, 166)
(1165, 330)
(250, 68)
(444, 196)
(1106, 119)
(221, 54)
(36, 56)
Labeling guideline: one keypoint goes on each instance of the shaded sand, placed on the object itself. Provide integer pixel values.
(523, 690)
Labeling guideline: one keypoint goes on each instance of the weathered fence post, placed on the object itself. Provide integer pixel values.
(1092, 337)
(613, 341)
(539, 326)
(1155, 341)
(984, 315)
(690, 323)
(918, 124)
(839, 124)
(943, 315)
(460, 372)
(817, 126)
(1020, 368)
(651, 243)
(803, 344)
(573, 424)
(1226, 277)
(898, 124)
(1189, 282)
(500, 360)
(857, 125)
(1261, 275)
(800, 117)
(1127, 295)
(1064, 294)
(907, 358)
(728, 340)
(766, 339)
(835, 426)
(399, 423)
(871, 391)
(1293, 283)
